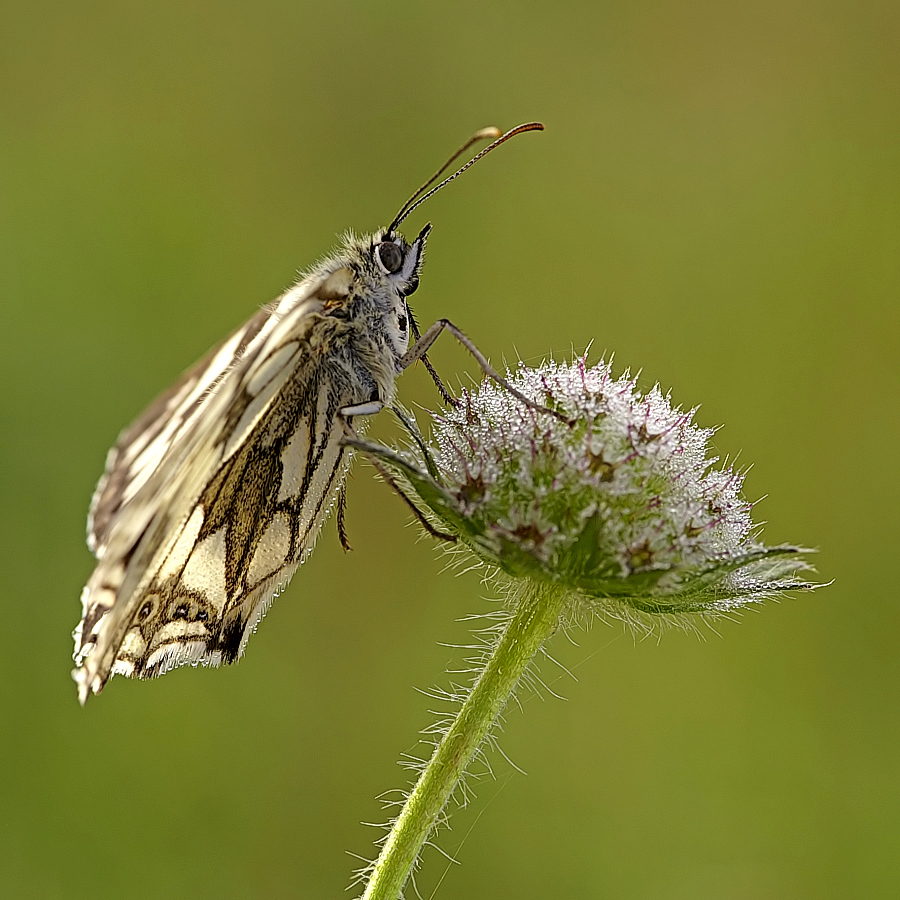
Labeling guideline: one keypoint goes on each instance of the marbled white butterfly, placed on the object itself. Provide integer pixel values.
(216, 494)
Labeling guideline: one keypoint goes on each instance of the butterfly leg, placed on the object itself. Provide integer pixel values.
(369, 408)
(341, 523)
(446, 396)
(363, 409)
(390, 480)
(423, 344)
(412, 429)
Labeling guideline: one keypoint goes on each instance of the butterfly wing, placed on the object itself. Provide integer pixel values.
(141, 448)
(211, 499)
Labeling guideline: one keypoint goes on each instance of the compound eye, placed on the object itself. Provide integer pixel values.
(389, 256)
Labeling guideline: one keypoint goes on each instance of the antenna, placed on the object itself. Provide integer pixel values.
(418, 198)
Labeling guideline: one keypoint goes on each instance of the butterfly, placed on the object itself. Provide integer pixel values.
(215, 495)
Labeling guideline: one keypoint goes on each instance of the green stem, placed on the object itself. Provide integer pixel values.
(536, 618)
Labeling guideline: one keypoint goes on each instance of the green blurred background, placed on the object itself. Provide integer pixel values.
(716, 200)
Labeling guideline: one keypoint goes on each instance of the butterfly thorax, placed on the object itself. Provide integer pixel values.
(375, 307)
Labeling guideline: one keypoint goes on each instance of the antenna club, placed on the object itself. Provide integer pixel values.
(487, 134)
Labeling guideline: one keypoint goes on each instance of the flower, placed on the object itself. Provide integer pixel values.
(621, 505)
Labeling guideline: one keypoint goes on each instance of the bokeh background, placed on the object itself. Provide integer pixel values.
(716, 200)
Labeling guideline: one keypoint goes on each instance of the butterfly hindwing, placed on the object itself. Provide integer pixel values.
(250, 529)
(188, 487)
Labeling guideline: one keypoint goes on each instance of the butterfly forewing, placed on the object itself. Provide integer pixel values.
(141, 448)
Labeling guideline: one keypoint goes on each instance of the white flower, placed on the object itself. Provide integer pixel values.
(620, 506)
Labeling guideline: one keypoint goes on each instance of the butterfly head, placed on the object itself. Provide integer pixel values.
(392, 269)
(393, 264)
(400, 260)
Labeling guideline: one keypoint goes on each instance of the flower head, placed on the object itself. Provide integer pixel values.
(622, 506)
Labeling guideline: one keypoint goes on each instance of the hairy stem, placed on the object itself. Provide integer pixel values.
(534, 620)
